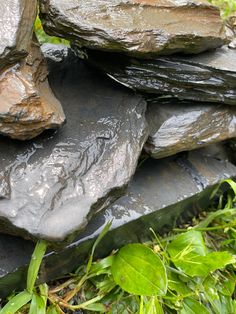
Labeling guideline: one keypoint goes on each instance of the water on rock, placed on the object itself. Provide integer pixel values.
(177, 126)
(27, 104)
(51, 186)
(162, 194)
(208, 77)
(137, 27)
(16, 28)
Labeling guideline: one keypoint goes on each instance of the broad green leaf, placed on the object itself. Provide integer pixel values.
(186, 243)
(192, 306)
(185, 252)
(16, 303)
(138, 270)
(35, 263)
(217, 260)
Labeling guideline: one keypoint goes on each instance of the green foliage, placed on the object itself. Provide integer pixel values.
(138, 270)
(189, 271)
(227, 7)
(44, 38)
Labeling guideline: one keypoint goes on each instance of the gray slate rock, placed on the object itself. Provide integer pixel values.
(16, 28)
(189, 181)
(177, 126)
(137, 27)
(51, 187)
(208, 77)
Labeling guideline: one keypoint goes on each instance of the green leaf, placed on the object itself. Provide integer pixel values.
(185, 251)
(39, 302)
(35, 263)
(96, 307)
(217, 260)
(186, 243)
(138, 270)
(192, 306)
(16, 303)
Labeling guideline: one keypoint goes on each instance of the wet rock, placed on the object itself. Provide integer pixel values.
(208, 77)
(136, 27)
(16, 28)
(231, 31)
(177, 126)
(51, 186)
(189, 182)
(27, 104)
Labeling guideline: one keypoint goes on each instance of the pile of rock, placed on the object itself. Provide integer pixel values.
(148, 158)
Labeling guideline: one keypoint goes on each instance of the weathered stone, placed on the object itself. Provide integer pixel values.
(231, 31)
(136, 27)
(27, 104)
(189, 182)
(208, 77)
(51, 186)
(177, 126)
(16, 28)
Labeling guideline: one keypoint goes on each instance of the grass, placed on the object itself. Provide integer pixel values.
(190, 270)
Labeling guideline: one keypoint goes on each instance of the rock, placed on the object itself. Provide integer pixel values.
(51, 186)
(16, 28)
(189, 181)
(208, 77)
(177, 126)
(137, 27)
(231, 31)
(27, 104)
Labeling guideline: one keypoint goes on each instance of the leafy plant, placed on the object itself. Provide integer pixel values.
(188, 271)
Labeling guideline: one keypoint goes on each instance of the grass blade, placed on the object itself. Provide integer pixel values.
(35, 263)
(16, 303)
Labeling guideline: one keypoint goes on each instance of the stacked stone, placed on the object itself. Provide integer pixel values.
(148, 90)
(27, 104)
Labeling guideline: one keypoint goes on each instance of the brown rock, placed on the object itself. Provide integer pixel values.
(27, 104)
(137, 27)
(177, 126)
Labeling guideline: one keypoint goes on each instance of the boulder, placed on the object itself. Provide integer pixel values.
(177, 126)
(27, 104)
(208, 77)
(16, 28)
(51, 186)
(164, 193)
(136, 27)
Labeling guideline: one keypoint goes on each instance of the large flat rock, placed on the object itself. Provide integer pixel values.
(51, 186)
(208, 77)
(27, 104)
(177, 126)
(163, 193)
(16, 28)
(137, 27)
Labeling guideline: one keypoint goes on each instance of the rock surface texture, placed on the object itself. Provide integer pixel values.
(51, 186)
(16, 28)
(177, 126)
(208, 77)
(136, 27)
(27, 104)
(189, 181)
